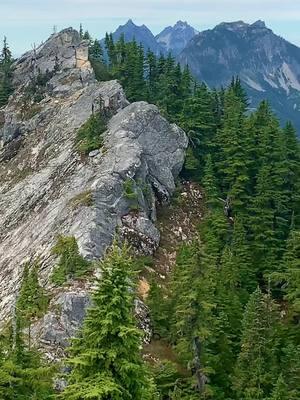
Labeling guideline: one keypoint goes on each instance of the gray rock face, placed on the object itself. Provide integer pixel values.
(53, 331)
(42, 176)
(61, 51)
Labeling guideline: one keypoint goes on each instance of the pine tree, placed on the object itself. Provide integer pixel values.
(210, 183)
(290, 274)
(262, 216)
(280, 391)
(257, 366)
(6, 87)
(232, 160)
(243, 258)
(81, 31)
(197, 119)
(32, 300)
(95, 51)
(228, 315)
(105, 358)
(23, 372)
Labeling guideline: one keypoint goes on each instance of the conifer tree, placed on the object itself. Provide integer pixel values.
(105, 358)
(6, 87)
(197, 119)
(257, 366)
(81, 31)
(210, 183)
(243, 258)
(32, 300)
(280, 391)
(290, 274)
(233, 159)
(95, 51)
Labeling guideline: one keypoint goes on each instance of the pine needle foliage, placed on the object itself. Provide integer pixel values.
(105, 359)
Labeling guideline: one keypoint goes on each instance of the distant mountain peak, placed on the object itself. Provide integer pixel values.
(175, 38)
(181, 23)
(130, 22)
(141, 34)
(235, 25)
(259, 24)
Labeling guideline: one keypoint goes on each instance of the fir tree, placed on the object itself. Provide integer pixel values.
(232, 160)
(280, 391)
(105, 358)
(256, 364)
(6, 87)
(210, 183)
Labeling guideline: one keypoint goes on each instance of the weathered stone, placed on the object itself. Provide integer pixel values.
(140, 233)
(44, 174)
(62, 51)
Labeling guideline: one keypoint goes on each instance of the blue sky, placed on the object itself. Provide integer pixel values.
(26, 22)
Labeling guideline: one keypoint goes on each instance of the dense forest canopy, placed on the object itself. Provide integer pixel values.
(231, 308)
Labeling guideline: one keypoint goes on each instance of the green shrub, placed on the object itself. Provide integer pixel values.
(130, 193)
(71, 264)
(89, 136)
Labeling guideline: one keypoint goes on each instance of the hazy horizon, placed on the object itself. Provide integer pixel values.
(28, 22)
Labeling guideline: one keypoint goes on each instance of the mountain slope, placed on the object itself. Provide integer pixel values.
(175, 38)
(45, 182)
(268, 65)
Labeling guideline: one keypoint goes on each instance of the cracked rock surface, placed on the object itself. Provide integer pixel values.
(42, 176)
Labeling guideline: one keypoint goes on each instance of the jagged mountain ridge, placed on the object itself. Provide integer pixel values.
(172, 39)
(141, 34)
(268, 65)
(43, 177)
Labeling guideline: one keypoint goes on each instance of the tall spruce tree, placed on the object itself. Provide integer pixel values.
(6, 87)
(257, 366)
(105, 359)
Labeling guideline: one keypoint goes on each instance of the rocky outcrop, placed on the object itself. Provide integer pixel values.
(44, 181)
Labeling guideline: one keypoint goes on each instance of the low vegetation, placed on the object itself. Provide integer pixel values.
(89, 136)
(71, 265)
(129, 190)
(84, 199)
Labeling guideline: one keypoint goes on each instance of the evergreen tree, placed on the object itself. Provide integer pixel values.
(290, 274)
(232, 160)
(280, 391)
(197, 119)
(257, 365)
(6, 87)
(81, 31)
(105, 358)
(32, 300)
(95, 51)
(210, 183)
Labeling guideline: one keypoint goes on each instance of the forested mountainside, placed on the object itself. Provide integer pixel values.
(221, 291)
(266, 63)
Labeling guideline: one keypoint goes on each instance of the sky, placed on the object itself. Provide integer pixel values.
(28, 22)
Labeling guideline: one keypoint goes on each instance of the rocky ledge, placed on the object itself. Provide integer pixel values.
(44, 181)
